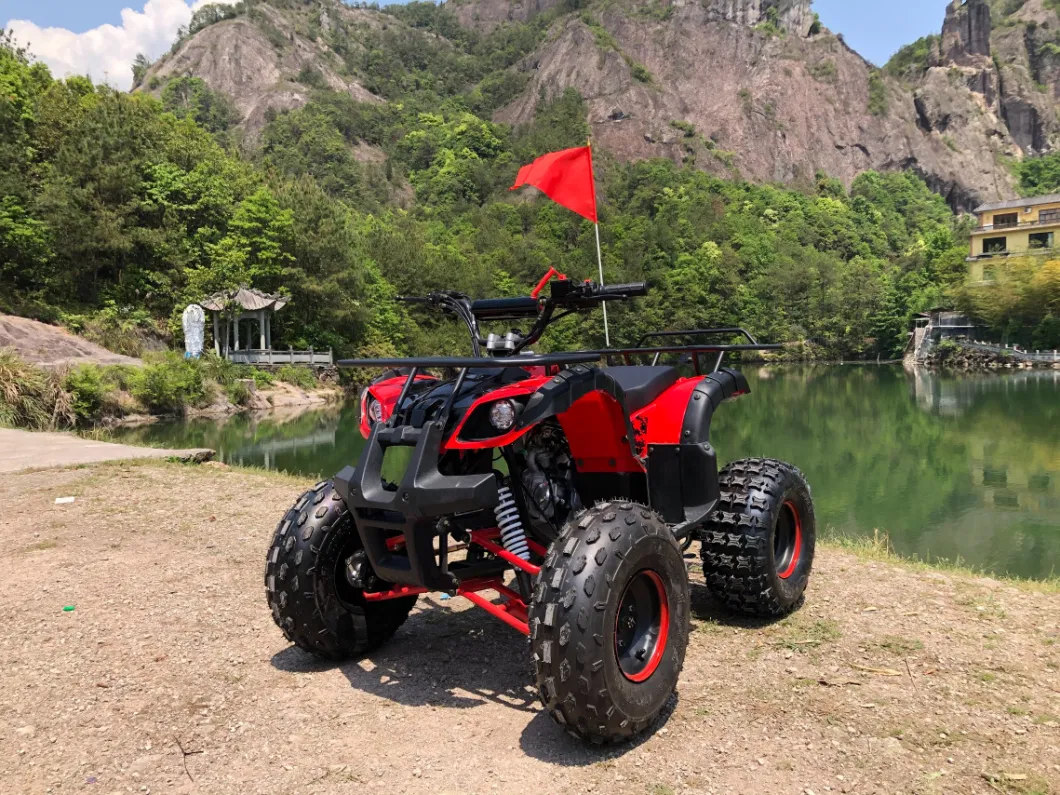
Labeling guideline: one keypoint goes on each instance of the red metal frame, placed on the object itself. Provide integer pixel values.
(512, 612)
(483, 539)
(536, 292)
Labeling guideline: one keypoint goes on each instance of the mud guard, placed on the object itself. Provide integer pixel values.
(683, 477)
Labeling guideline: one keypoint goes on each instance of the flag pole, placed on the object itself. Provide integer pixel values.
(599, 255)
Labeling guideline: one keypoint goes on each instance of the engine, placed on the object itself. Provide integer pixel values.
(548, 480)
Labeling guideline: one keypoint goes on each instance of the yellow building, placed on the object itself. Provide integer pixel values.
(1013, 228)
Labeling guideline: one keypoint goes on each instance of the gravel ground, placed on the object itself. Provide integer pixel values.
(169, 675)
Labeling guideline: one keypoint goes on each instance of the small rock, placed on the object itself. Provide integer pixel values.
(26, 731)
(145, 763)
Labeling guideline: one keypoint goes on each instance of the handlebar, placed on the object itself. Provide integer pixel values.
(567, 297)
(634, 290)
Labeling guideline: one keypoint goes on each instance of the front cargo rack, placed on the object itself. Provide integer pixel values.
(460, 362)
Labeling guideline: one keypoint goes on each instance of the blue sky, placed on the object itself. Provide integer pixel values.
(874, 29)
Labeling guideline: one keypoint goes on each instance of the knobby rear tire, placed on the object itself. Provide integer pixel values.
(758, 544)
(306, 586)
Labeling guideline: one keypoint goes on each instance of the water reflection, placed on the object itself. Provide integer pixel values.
(948, 466)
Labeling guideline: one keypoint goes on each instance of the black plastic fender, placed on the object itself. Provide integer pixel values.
(683, 477)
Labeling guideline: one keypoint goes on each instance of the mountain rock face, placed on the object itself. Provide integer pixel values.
(793, 16)
(489, 16)
(966, 32)
(724, 90)
(255, 70)
(1009, 64)
(750, 88)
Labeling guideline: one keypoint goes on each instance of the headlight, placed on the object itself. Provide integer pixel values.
(502, 415)
(375, 411)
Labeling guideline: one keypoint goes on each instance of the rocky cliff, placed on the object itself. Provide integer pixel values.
(755, 88)
(256, 60)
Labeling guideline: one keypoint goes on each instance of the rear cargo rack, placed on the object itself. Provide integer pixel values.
(695, 350)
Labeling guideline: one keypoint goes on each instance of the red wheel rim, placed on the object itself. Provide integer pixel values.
(787, 540)
(642, 626)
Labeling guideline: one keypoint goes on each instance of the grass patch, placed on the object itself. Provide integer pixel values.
(879, 549)
(298, 376)
(40, 546)
(31, 397)
(803, 637)
(900, 646)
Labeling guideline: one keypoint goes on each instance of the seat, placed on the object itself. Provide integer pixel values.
(641, 385)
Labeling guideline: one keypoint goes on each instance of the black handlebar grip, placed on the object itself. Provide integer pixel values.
(635, 290)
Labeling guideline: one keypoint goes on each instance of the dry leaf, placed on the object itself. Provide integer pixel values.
(877, 671)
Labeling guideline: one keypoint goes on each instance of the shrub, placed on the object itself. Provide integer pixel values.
(824, 71)
(88, 390)
(686, 127)
(298, 376)
(913, 60)
(225, 373)
(169, 383)
(312, 77)
(640, 73)
(238, 393)
(879, 103)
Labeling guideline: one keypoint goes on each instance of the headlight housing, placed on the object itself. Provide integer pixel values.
(375, 410)
(502, 415)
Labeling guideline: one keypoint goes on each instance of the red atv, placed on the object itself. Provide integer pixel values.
(582, 481)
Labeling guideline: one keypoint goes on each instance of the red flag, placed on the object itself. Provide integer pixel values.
(565, 177)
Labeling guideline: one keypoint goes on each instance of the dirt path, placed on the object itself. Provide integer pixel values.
(21, 450)
(52, 346)
(890, 680)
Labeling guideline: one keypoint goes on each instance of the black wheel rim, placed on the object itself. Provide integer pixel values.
(349, 596)
(641, 626)
(787, 541)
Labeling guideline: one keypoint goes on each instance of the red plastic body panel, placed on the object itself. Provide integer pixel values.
(661, 421)
(521, 389)
(386, 392)
(595, 427)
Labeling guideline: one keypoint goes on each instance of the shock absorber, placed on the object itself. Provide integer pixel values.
(513, 536)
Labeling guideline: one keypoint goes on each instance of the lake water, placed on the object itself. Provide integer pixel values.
(947, 466)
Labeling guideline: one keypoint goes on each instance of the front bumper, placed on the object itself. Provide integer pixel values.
(423, 496)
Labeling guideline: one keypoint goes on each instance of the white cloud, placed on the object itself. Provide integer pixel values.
(107, 52)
